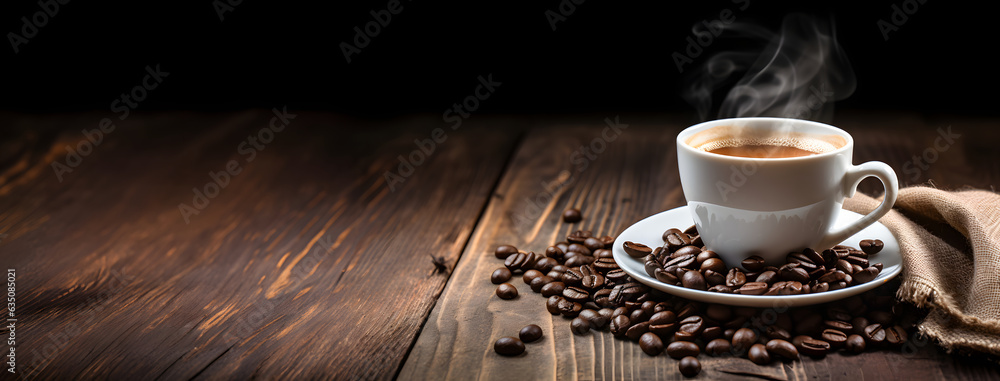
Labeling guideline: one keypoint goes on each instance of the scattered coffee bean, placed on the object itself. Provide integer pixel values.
(689, 366)
(500, 275)
(507, 291)
(855, 344)
(530, 333)
(651, 344)
(758, 354)
(503, 251)
(743, 339)
(680, 349)
(572, 215)
(620, 325)
(871, 247)
(835, 338)
(813, 347)
(537, 283)
(895, 335)
(554, 288)
(580, 326)
(782, 348)
(508, 346)
(874, 334)
(636, 250)
(718, 347)
(530, 275)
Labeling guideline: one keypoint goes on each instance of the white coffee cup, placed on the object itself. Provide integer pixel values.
(773, 206)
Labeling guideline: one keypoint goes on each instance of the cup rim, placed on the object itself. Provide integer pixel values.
(691, 130)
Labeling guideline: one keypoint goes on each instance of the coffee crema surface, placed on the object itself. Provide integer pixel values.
(763, 142)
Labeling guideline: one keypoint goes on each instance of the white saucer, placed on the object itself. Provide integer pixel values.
(650, 230)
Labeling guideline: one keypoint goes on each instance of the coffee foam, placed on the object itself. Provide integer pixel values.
(736, 136)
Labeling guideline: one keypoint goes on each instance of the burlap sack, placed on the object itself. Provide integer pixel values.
(950, 243)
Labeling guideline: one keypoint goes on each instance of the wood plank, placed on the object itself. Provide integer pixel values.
(305, 266)
(635, 177)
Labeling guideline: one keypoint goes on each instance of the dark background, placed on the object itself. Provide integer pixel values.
(606, 57)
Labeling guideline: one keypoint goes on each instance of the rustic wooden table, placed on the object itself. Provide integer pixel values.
(300, 262)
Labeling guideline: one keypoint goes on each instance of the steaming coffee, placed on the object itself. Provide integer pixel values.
(763, 143)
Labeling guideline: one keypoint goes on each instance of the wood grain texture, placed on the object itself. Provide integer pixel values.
(633, 178)
(305, 265)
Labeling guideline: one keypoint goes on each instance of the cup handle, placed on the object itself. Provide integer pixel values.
(852, 178)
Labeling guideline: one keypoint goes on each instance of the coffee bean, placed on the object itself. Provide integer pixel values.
(686, 250)
(508, 346)
(776, 332)
(753, 263)
(500, 275)
(596, 320)
(714, 264)
(855, 344)
(552, 304)
(857, 261)
(579, 326)
(616, 276)
(813, 347)
(691, 326)
(576, 294)
(569, 308)
(608, 241)
(636, 250)
(530, 275)
(832, 276)
(664, 276)
(758, 354)
(503, 251)
(674, 239)
(554, 288)
(878, 266)
(768, 277)
(783, 348)
(717, 347)
(689, 366)
(637, 330)
(866, 275)
(743, 338)
(554, 252)
(579, 260)
(651, 344)
(834, 337)
(579, 248)
(669, 232)
(572, 215)
(705, 255)
(605, 265)
(871, 247)
(546, 264)
(620, 325)
(895, 335)
(680, 262)
(537, 283)
(839, 325)
(721, 288)
(530, 333)
(507, 291)
(793, 272)
(713, 278)
(694, 279)
(593, 281)
(735, 278)
(578, 237)
(679, 349)
(639, 315)
(753, 288)
(572, 277)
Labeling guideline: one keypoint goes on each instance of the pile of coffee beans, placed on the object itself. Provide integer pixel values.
(684, 261)
(583, 283)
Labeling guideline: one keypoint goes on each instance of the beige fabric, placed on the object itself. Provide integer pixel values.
(950, 243)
